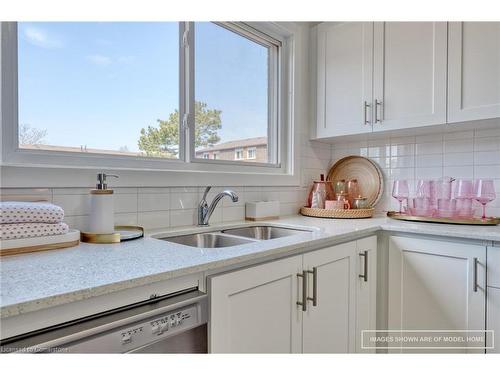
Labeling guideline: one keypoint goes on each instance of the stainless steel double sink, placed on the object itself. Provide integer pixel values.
(233, 236)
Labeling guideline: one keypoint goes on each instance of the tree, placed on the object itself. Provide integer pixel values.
(31, 136)
(163, 140)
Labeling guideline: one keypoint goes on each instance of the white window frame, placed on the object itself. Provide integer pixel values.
(254, 149)
(274, 80)
(238, 151)
(42, 168)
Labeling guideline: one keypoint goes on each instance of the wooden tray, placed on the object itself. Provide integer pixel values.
(360, 213)
(368, 173)
(444, 220)
(34, 244)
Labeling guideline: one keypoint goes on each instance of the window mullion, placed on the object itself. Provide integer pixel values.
(189, 96)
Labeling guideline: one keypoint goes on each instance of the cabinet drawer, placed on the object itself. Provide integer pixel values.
(493, 267)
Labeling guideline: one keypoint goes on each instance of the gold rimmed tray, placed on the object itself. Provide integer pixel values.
(121, 233)
(367, 172)
(359, 213)
(444, 220)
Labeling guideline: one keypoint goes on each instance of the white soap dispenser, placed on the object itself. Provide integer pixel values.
(101, 218)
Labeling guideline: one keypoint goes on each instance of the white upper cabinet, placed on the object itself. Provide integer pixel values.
(474, 71)
(344, 78)
(409, 81)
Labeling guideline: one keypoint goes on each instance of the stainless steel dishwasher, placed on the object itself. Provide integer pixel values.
(176, 323)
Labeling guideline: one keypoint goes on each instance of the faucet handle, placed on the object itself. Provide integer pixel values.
(207, 189)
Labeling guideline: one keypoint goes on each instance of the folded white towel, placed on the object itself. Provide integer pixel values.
(28, 230)
(30, 212)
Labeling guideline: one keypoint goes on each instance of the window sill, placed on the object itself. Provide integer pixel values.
(42, 176)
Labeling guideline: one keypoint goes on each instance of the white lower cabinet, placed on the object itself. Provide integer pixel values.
(261, 308)
(436, 285)
(254, 310)
(493, 319)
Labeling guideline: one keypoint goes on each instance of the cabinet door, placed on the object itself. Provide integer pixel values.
(409, 82)
(344, 78)
(493, 319)
(255, 310)
(474, 71)
(329, 327)
(432, 286)
(366, 291)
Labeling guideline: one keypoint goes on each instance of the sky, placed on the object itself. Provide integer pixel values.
(98, 83)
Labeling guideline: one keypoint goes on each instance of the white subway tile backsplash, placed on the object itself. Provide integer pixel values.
(183, 198)
(459, 171)
(126, 219)
(429, 148)
(487, 144)
(458, 158)
(125, 203)
(153, 201)
(77, 204)
(154, 219)
(459, 145)
(428, 173)
(487, 158)
(429, 160)
(179, 218)
(403, 149)
(460, 154)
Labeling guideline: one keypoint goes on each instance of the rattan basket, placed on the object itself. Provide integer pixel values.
(359, 213)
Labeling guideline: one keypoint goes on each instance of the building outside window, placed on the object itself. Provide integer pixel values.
(251, 153)
(255, 150)
(238, 154)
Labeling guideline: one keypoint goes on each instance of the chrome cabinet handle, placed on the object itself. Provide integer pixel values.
(365, 106)
(475, 275)
(303, 275)
(377, 104)
(314, 298)
(364, 275)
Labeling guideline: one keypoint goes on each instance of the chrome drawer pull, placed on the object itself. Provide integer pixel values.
(314, 298)
(364, 275)
(303, 275)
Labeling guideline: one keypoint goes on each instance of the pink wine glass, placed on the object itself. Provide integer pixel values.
(484, 192)
(463, 189)
(400, 192)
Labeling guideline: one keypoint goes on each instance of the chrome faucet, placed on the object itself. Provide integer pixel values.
(205, 211)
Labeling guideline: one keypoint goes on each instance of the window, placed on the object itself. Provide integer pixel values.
(252, 153)
(99, 87)
(153, 95)
(235, 73)
(238, 154)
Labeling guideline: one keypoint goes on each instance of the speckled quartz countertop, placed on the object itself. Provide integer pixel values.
(39, 280)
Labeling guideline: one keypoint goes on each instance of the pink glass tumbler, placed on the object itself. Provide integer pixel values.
(484, 192)
(400, 191)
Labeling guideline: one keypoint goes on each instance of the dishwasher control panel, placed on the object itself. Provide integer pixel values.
(161, 326)
(142, 333)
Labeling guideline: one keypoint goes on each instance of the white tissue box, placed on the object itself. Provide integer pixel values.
(262, 210)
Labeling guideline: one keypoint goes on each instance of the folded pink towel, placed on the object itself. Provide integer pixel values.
(28, 230)
(30, 212)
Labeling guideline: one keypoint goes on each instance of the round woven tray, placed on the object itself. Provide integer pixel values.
(359, 213)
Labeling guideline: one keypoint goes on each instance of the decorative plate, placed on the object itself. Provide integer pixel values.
(368, 173)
